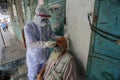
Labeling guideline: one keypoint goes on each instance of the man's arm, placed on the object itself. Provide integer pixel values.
(40, 75)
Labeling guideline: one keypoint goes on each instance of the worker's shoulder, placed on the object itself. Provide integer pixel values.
(28, 25)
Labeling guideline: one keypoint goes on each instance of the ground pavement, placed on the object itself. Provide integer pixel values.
(12, 56)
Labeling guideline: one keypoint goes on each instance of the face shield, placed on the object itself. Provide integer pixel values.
(41, 17)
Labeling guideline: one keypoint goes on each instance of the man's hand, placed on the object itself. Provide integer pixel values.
(40, 75)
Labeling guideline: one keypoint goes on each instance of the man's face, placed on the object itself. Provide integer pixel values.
(61, 42)
(61, 46)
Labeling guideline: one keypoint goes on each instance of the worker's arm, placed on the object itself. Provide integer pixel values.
(31, 40)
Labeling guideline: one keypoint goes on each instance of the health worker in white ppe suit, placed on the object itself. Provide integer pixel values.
(37, 35)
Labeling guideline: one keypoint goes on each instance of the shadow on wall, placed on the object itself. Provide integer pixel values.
(79, 64)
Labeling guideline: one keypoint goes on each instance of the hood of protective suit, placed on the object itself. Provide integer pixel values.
(40, 9)
(41, 17)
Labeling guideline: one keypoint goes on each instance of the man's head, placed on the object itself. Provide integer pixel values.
(59, 50)
(62, 44)
(41, 17)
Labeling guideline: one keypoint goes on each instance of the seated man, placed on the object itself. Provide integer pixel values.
(60, 65)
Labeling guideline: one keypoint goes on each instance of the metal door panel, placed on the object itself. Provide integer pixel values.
(102, 70)
(106, 47)
(108, 20)
(104, 57)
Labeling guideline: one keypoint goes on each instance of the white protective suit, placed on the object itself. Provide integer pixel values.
(37, 35)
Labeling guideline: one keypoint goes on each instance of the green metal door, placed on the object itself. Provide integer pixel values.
(56, 9)
(104, 56)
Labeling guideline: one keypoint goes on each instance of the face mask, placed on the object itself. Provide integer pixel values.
(40, 21)
(44, 22)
